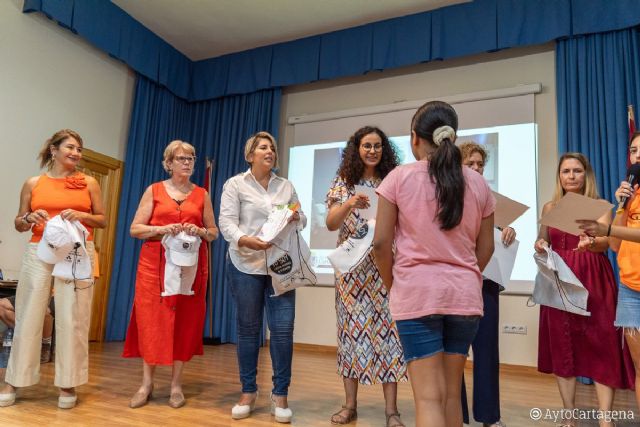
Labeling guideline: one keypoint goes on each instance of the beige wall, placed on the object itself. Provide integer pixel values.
(315, 313)
(51, 79)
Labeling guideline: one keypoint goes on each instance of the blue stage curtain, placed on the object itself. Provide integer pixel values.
(222, 127)
(218, 129)
(597, 76)
(463, 29)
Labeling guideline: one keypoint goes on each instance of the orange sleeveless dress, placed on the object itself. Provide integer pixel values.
(164, 329)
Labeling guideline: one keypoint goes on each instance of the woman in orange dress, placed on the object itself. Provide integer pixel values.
(167, 330)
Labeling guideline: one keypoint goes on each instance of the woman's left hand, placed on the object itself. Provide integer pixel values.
(73, 215)
(294, 217)
(592, 228)
(508, 236)
(192, 229)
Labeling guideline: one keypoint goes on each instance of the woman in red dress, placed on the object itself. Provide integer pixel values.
(167, 330)
(571, 345)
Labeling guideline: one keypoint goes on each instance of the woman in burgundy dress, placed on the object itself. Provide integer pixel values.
(571, 345)
(167, 330)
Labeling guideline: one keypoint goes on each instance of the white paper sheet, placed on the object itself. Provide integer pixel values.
(372, 210)
(501, 264)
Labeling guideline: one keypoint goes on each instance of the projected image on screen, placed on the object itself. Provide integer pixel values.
(510, 170)
(321, 237)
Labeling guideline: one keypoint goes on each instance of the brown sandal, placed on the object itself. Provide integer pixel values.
(396, 419)
(339, 419)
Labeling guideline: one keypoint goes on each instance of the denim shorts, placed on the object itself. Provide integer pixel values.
(428, 335)
(628, 310)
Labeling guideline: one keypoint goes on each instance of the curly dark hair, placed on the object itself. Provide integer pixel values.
(352, 167)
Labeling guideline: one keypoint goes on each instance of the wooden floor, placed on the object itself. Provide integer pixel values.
(211, 388)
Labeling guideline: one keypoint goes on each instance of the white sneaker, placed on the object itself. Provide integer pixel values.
(239, 412)
(282, 415)
(7, 399)
(67, 402)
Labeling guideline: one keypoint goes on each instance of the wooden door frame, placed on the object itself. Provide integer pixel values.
(111, 203)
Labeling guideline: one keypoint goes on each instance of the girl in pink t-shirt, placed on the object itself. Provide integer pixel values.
(440, 216)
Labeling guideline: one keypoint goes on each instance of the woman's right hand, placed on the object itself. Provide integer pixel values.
(540, 245)
(359, 201)
(39, 216)
(253, 243)
(625, 190)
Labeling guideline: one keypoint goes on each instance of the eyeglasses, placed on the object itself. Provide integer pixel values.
(368, 147)
(185, 159)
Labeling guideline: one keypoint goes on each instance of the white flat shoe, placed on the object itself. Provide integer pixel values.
(282, 415)
(7, 399)
(239, 412)
(67, 402)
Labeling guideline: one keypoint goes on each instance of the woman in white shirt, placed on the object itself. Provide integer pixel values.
(247, 200)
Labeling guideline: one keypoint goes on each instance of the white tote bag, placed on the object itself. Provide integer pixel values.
(557, 286)
(288, 261)
(353, 251)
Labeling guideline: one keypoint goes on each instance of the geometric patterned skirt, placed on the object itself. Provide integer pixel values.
(369, 348)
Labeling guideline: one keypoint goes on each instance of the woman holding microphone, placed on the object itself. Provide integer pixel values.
(624, 238)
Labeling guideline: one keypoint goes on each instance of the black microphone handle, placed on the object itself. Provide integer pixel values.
(623, 202)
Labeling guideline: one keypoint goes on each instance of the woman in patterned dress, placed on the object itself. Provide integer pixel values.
(369, 350)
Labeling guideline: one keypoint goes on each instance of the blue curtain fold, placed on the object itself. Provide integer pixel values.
(218, 130)
(597, 76)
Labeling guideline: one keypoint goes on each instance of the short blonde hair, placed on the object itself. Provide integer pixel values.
(252, 143)
(470, 147)
(170, 152)
(590, 188)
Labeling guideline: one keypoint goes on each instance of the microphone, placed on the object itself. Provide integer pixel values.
(633, 174)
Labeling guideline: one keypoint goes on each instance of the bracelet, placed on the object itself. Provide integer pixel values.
(206, 233)
(609, 231)
(25, 218)
(592, 242)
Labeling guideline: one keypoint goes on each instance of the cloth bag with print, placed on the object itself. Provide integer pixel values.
(288, 261)
(557, 286)
(353, 251)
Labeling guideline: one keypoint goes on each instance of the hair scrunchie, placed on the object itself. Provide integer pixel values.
(442, 133)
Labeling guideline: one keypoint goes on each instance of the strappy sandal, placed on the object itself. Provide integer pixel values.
(397, 422)
(339, 419)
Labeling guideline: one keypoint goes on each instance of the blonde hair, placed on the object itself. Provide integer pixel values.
(170, 152)
(45, 155)
(470, 147)
(252, 143)
(590, 187)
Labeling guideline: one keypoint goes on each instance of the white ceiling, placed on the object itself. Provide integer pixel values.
(207, 28)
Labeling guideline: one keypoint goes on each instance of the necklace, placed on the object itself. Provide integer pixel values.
(182, 190)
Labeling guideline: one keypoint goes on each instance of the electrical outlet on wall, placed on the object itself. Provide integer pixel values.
(514, 329)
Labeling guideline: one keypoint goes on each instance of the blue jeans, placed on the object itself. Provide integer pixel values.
(486, 361)
(628, 308)
(253, 293)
